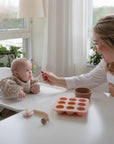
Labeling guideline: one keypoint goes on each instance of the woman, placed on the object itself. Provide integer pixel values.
(103, 36)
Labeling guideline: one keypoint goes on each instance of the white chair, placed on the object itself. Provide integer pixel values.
(5, 72)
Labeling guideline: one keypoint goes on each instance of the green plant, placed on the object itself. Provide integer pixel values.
(12, 53)
(94, 57)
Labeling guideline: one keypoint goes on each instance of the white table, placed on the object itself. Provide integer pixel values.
(97, 127)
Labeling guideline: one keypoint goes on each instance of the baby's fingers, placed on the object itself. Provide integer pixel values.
(22, 95)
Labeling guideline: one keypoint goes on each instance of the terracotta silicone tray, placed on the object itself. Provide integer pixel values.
(71, 106)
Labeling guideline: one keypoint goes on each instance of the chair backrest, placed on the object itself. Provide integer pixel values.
(5, 72)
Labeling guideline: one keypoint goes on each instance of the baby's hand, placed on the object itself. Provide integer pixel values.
(33, 90)
(22, 94)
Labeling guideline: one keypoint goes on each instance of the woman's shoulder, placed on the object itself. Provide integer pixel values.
(102, 63)
(101, 66)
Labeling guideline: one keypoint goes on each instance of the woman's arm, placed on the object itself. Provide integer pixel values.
(90, 80)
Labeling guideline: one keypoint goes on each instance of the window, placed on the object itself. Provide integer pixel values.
(14, 31)
(8, 14)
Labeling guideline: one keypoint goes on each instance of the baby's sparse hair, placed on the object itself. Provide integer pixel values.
(17, 62)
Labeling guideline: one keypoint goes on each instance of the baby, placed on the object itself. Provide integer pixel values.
(21, 81)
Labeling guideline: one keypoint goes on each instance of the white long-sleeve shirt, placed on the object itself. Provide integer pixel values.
(92, 79)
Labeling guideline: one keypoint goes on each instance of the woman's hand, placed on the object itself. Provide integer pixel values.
(49, 78)
(52, 79)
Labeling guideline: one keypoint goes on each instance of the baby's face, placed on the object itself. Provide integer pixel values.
(25, 71)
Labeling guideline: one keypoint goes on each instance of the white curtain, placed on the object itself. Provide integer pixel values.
(66, 36)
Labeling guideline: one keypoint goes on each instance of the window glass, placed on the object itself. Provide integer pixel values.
(102, 8)
(8, 15)
(12, 42)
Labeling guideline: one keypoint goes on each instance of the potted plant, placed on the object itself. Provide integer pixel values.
(94, 57)
(8, 55)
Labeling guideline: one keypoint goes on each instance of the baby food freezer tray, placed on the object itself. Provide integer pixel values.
(72, 106)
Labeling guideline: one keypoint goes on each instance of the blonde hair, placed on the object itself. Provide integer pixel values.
(105, 28)
(110, 67)
(18, 62)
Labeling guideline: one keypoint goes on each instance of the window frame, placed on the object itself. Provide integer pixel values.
(24, 33)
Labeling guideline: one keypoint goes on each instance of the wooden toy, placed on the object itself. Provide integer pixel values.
(27, 113)
(44, 115)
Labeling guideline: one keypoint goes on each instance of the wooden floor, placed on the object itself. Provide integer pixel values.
(6, 113)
